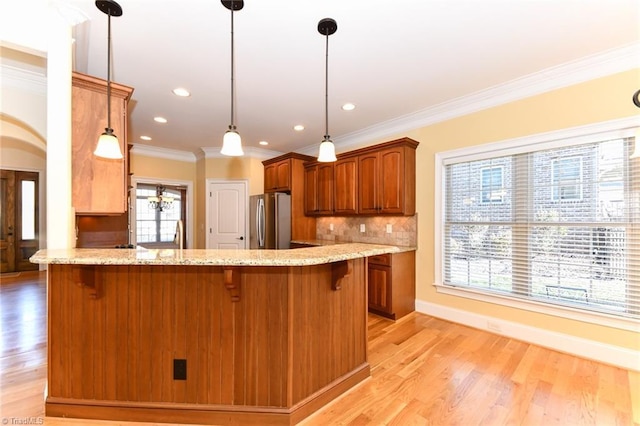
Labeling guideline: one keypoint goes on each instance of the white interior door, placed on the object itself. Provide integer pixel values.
(227, 215)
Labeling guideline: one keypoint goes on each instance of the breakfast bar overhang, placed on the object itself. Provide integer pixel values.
(205, 336)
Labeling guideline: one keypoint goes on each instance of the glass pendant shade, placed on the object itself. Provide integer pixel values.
(108, 146)
(327, 153)
(232, 144)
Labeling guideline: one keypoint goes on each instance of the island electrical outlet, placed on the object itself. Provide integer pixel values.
(179, 369)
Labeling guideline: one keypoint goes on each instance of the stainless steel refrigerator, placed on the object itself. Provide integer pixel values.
(270, 221)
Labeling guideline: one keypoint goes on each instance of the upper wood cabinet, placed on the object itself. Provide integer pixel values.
(318, 194)
(386, 180)
(277, 176)
(376, 180)
(286, 173)
(99, 185)
(345, 186)
(368, 186)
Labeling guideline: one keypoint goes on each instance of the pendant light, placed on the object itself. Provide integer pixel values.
(108, 144)
(231, 142)
(636, 143)
(327, 152)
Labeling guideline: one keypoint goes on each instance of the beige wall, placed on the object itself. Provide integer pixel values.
(20, 155)
(595, 101)
(23, 125)
(198, 172)
(237, 168)
(222, 168)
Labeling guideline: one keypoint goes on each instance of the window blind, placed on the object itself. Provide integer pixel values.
(557, 225)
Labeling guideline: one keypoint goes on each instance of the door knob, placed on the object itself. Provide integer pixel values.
(241, 238)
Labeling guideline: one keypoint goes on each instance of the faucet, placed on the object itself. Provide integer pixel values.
(179, 235)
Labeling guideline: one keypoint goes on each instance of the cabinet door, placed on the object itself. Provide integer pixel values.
(283, 175)
(98, 184)
(345, 186)
(311, 191)
(391, 178)
(325, 188)
(380, 288)
(368, 183)
(270, 178)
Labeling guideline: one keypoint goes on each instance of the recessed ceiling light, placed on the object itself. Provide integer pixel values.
(348, 107)
(160, 119)
(263, 143)
(298, 127)
(179, 91)
(145, 138)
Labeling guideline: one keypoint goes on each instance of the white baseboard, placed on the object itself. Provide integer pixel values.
(601, 352)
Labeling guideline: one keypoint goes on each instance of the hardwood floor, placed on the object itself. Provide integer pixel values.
(424, 371)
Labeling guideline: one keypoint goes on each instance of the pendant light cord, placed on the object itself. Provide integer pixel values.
(326, 91)
(109, 72)
(232, 126)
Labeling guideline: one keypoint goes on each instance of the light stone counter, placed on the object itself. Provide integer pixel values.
(295, 257)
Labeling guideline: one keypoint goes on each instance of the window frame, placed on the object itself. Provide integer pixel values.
(490, 189)
(622, 128)
(158, 218)
(559, 185)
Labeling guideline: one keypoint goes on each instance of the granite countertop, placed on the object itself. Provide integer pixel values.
(294, 257)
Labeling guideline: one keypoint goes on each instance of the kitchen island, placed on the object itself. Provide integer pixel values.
(205, 336)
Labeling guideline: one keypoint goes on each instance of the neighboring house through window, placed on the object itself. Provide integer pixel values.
(509, 237)
(567, 178)
(492, 181)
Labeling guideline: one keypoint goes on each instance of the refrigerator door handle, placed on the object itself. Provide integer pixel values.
(260, 222)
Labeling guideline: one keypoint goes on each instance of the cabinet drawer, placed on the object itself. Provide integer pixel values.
(381, 259)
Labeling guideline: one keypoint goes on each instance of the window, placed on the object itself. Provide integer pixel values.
(28, 210)
(567, 178)
(581, 253)
(492, 184)
(154, 225)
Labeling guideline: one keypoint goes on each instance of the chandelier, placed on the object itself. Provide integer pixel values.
(160, 201)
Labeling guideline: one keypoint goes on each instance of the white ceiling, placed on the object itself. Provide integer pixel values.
(390, 58)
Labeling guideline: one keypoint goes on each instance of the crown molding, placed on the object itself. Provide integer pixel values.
(570, 73)
(22, 79)
(165, 153)
(250, 152)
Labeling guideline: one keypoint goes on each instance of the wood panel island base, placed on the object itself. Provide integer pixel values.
(205, 336)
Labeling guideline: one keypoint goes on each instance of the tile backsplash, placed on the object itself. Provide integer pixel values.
(404, 230)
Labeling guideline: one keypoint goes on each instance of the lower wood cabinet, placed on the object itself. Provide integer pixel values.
(392, 284)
